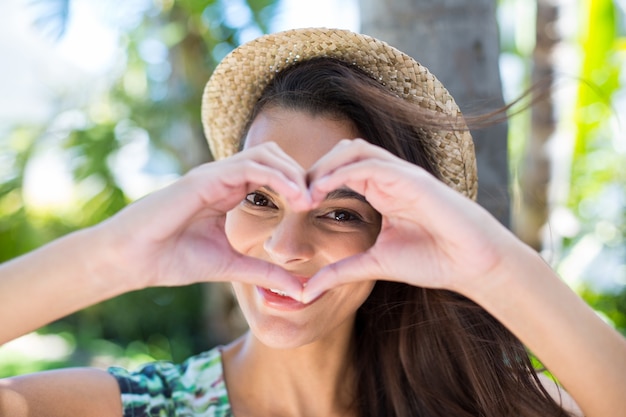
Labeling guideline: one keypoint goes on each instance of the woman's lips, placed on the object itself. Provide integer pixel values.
(278, 300)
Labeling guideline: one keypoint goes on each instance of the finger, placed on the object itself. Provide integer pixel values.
(296, 194)
(211, 189)
(360, 267)
(325, 164)
(258, 272)
(364, 177)
(409, 193)
(344, 153)
(272, 155)
(238, 179)
(412, 194)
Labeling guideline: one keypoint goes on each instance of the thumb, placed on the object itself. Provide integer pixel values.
(258, 272)
(359, 267)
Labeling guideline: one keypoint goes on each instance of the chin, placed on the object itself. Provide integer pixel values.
(282, 335)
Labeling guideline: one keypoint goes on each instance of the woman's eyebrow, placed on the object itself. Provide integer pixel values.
(338, 194)
(345, 193)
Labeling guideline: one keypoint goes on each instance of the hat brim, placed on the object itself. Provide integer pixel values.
(239, 80)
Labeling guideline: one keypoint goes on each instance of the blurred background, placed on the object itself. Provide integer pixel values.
(99, 105)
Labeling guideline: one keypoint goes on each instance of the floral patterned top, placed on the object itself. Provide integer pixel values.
(194, 388)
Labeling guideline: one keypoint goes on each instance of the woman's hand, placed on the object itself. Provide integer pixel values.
(431, 236)
(434, 237)
(176, 236)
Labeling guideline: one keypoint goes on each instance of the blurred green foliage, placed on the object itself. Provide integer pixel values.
(152, 99)
(591, 254)
(597, 194)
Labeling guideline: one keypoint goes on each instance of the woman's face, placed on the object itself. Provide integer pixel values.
(264, 227)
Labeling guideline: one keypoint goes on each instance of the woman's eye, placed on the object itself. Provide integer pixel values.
(343, 216)
(260, 200)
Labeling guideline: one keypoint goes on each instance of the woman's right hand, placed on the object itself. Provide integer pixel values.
(176, 236)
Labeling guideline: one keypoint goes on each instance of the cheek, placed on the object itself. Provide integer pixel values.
(243, 231)
(355, 243)
(234, 230)
(342, 246)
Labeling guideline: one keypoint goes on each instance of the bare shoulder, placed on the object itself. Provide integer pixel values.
(84, 392)
(561, 396)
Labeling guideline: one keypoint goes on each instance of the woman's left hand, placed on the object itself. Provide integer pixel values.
(431, 235)
(434, 237)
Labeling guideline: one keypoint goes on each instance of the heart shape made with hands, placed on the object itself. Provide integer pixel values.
(429, 233)
(332, 238)
(305, 191)
(300, 191)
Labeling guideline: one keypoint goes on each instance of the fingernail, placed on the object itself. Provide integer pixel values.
(317, 192)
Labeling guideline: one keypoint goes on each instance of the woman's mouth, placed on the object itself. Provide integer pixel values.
(279, 300)
(279, 292)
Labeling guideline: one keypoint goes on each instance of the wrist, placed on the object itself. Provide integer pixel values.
(518, 291)
(517, 266)
(100, 257)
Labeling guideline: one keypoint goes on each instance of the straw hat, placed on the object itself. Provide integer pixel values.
(239, 80)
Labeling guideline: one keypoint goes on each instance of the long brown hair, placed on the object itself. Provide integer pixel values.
(417, 351)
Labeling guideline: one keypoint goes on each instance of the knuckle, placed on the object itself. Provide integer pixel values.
(272, 147)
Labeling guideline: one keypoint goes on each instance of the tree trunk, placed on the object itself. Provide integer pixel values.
(457, 40)
(535, 173)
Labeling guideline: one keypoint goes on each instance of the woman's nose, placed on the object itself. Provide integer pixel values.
(290, 241)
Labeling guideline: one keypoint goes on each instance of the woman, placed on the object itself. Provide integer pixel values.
(340, 209)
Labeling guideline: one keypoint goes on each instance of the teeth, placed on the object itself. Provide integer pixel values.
(279, 292)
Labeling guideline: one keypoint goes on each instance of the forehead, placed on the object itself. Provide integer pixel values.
(303, 136)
